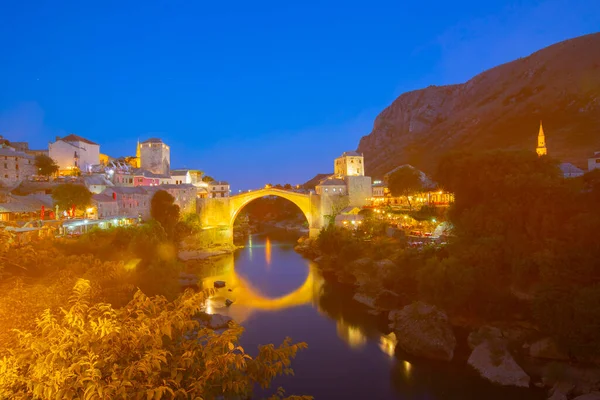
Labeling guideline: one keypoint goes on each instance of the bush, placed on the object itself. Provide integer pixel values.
(149, 349)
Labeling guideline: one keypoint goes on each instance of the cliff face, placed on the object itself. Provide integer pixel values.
(499, 108)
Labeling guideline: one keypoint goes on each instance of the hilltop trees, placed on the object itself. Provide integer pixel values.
(68, 195)
(405, 181)
(45, 165)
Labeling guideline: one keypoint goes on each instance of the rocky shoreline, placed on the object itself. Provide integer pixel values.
(510, 353)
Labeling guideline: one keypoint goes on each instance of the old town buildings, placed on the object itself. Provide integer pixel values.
(15, 166)
(74, 153)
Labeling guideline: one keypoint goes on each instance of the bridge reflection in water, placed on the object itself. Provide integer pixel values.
(248, 299)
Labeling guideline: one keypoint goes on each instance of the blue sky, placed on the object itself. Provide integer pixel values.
(250, 92)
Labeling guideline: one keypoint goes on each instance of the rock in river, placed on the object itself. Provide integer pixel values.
(423, 330)
(493, 361)
(219, 284)
(218, 321)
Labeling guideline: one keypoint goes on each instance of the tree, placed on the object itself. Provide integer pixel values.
(207, 179)
(405, 182)
(151, 348)
(164, 210)
(287, 186)
(68, 195)
(45, 165)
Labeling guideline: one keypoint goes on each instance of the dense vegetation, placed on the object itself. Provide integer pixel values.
(103, 316)
(525, 244)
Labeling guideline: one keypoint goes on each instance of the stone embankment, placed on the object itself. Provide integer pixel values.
(514, 353)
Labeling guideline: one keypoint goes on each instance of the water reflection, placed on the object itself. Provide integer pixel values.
(350, 334)
(387, 344)
(340, 334)
(268, 252)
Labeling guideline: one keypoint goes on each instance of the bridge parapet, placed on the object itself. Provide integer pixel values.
(220, 213)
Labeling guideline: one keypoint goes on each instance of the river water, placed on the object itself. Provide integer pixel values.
(278, 293)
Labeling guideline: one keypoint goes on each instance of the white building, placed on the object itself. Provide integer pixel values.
(74, 152)
(378, 189)
(594, 162)
(96, 183)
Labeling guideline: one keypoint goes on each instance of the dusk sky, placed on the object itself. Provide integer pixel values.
(250, 92)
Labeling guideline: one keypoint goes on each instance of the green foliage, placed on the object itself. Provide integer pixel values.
(45, 165)
(164, 210)
(67, 195)
(405, 182)
(207, 179)
(150, 348)
(572, 315)
(340, 242)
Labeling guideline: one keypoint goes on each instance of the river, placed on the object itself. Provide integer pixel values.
(278, 293)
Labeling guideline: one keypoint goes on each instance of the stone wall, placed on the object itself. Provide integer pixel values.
(359, 190)
(15, 167)
(155, 157)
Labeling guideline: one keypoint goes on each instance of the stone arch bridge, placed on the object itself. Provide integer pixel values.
(217, 215)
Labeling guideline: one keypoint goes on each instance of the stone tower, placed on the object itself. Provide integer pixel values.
(350, 163)
(155, 156)
(541, 147)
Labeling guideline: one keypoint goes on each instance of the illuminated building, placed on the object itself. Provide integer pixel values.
(350, 163)
(155, 156)
(541, 142)
(73, 153)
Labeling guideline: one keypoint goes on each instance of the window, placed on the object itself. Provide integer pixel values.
(5, 165)
(326, 189)
(6, 176)
(334, 189)
(16, 166)
(359, 161)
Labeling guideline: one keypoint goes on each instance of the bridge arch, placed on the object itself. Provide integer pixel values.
(239, 201)
(219, 214)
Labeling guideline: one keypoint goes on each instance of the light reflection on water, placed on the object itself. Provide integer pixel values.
(277, 293)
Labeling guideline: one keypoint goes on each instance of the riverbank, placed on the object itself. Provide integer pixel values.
(511, 352)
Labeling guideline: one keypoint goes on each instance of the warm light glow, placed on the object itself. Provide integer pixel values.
(268, 251)
(387, 344)
(407, 368)
(90, 210)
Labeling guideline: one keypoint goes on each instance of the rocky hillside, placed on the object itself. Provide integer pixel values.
(499, 108)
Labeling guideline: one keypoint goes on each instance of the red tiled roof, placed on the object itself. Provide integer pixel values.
(76, 138)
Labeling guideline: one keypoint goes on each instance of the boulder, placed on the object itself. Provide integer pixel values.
(364, 299)
(423, 330)
(218, 321)
(548, 349)
(219, 284)
(319, 259)
(483, 334)
(561, 390)
(228, 302)
(494, 362)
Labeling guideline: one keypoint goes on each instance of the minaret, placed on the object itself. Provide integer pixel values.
(138, 154)
(541, 147)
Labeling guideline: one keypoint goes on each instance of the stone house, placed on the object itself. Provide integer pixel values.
(594, 162)
(218, 189)
(15, 166)
(106, 206)
(131, 201)
(184, 194)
